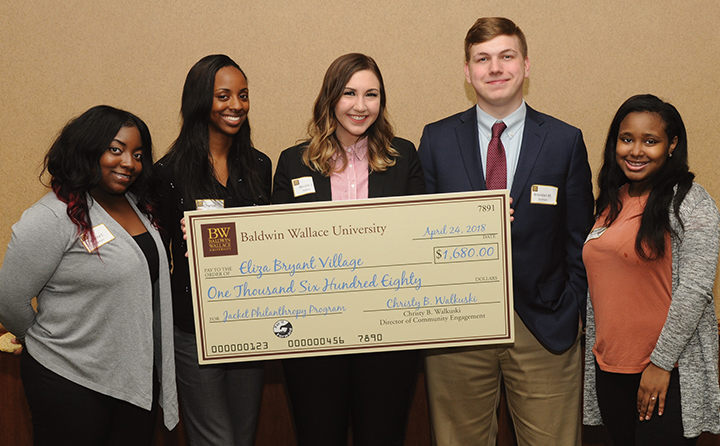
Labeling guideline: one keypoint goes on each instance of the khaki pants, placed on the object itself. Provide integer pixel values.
(543, 392)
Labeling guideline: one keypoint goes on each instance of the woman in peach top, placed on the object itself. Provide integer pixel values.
(652, 341)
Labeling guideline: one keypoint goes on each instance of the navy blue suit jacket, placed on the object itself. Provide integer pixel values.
(549, 280)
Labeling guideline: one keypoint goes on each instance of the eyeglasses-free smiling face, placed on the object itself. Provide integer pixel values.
(358, 107)
(121, 163)
(497, 71)
(231, 102)
(642, 149)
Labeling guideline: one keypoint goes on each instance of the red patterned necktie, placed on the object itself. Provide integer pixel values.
(496, 171)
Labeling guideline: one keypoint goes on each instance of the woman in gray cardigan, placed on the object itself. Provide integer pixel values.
(98, 356)
(651, 363)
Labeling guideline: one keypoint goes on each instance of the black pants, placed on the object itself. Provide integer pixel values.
(65, 413)
(374, 390)
(617, 398)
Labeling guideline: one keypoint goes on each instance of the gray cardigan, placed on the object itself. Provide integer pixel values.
(690, 334)
(95, 323)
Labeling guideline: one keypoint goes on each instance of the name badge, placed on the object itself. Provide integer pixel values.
(102, 236)
(303, 186)
(595, 233)
(207, 205)
(543, 194)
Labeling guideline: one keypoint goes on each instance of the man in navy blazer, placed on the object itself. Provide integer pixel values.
(547, 172)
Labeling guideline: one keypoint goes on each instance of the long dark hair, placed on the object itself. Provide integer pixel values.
(655, 223)
(73, 161)
(189, 155)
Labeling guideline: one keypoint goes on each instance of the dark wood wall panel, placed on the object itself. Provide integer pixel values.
(275, 421)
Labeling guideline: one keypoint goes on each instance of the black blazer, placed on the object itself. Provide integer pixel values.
(170, 210)
(549, 280)
(404, 178)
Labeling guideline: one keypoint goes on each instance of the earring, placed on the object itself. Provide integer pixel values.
(670, 155)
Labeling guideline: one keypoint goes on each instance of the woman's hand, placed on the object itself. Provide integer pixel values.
(653, 388)
(184, 231)
(17, 341)
(13, 341)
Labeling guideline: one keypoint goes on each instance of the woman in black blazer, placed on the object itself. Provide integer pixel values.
(351, 154)
(211, 165)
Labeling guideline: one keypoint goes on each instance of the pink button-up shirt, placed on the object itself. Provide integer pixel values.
(351, 183)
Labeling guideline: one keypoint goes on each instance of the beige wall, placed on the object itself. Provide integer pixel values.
(59, 58)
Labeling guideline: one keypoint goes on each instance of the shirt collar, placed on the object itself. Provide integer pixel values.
(514, 121)
(359, 149)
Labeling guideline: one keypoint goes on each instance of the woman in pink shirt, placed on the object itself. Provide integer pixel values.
(351, 153)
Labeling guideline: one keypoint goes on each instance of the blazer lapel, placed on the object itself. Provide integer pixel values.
(323, 190)
(376, 183)
(533, 138)
(467, 138)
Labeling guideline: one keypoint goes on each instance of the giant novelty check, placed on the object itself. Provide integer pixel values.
(355, 276)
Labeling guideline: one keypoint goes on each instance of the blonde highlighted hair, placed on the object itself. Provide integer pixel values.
(323, 144)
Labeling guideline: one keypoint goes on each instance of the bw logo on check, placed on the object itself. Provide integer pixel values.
(219, 239)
